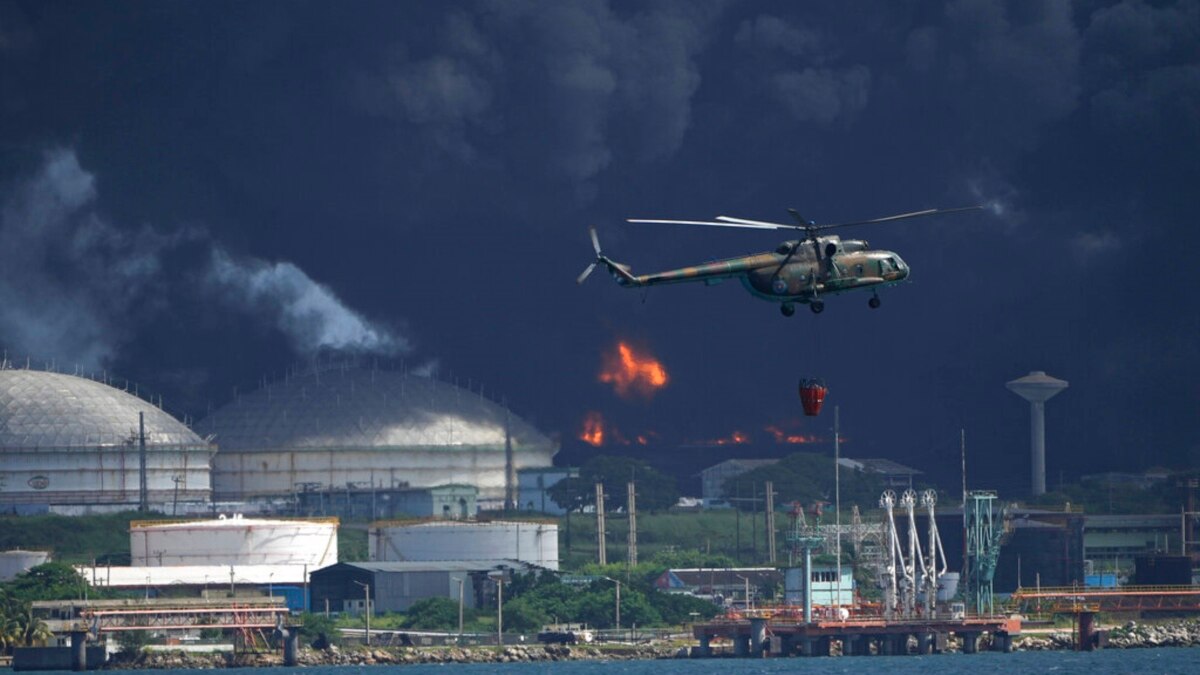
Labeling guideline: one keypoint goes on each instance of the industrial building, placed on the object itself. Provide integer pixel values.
(533, 543)
(356, 433)
(534, 488)
(739, 586)
(712, 479)
(395, 586)
(73, 445)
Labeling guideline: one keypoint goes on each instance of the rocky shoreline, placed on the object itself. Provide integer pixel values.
(370, 656)
(1132, 635)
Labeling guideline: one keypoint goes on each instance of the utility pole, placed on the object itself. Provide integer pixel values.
(771, 522)
(837, 504)
(633, 553)
(460, 581)
(143, 488)
(367, 605)
(602, 556)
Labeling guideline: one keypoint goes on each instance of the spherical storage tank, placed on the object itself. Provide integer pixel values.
(71, 442)
(529, 542)
(351, 428)
(234, 541)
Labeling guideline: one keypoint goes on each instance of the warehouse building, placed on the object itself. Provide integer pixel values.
(395, 586)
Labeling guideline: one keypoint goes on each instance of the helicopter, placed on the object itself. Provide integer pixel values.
(803, 271)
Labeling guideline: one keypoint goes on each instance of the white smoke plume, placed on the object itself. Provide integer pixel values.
(74, 287)
(309, 313)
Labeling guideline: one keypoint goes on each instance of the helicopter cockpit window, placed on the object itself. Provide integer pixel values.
(784, 248)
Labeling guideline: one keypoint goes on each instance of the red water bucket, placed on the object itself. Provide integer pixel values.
(812, 395)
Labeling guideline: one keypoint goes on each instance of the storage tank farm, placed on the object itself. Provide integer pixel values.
(234, 541)
(531, 542)
(70, 444)
(343, 428)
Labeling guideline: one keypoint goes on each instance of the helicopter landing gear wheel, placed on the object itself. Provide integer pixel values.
(874, 302)
(787, 309)
(817, 306)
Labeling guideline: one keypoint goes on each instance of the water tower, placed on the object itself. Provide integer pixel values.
(1037, 387)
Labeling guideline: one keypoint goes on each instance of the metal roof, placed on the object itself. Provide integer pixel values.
(357, 408)
(440, 565)
(192, 575)
(52, 410)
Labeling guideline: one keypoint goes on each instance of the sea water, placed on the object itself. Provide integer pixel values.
(1164, 661)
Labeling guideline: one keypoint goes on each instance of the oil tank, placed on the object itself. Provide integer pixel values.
(531, 542)
(234, 541)
(71, 445)
(16, 561)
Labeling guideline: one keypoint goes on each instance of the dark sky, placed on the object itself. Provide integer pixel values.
(196, 195)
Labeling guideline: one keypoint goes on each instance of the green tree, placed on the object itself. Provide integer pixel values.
(435, 614)
(655, 489)
(806, 477)
(318, 629)
(48, 581)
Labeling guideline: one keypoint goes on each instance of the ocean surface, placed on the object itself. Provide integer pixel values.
(1167, 661)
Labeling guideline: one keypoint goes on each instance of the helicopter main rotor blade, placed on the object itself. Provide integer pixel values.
(901, 216)
(748, 225)
(744, 221)
(595, 241)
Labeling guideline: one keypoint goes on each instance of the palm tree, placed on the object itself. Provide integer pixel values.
(33, 631)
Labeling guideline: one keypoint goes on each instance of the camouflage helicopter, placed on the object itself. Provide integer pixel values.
(797, 271)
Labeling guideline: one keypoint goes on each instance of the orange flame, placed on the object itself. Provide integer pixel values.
(793, 439)
(596, 432)
(593, 429)
(629, 372)
(736, 438)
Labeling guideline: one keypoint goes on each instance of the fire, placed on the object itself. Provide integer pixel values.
(629, 372)
(596, 432)
(593, 430)
(782, 436)
(735, 438)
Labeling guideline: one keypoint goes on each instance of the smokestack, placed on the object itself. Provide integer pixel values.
(1037, 387)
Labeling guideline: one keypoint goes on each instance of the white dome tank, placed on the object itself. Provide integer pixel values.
(70, 442)
(530, 542)
(339, 427)
(234, 541)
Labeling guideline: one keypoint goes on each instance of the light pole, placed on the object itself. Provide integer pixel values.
(498, 576)
(460, 581)
(270, 584)
(746, 596)
(367, 613)
(618, 614)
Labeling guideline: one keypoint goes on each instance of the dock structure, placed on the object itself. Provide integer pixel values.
(776, 635)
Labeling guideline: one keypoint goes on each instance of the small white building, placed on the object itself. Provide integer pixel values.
(827, 590)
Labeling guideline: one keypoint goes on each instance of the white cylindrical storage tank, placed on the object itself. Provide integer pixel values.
(14, 562)
(234, 541)
(526, 541)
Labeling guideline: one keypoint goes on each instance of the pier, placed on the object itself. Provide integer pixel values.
(780, 635)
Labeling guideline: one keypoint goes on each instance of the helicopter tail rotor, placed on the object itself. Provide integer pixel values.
(621, 272)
